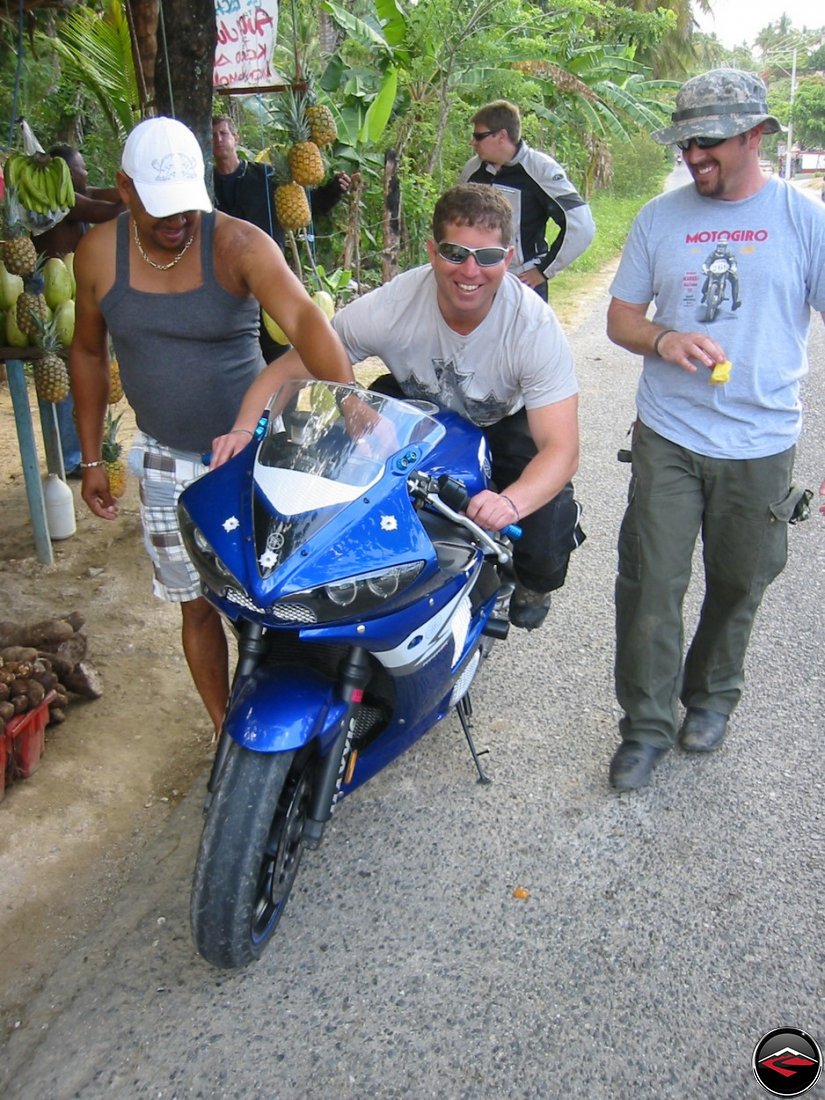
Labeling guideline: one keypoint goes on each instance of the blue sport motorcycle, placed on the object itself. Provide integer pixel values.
(362, 600)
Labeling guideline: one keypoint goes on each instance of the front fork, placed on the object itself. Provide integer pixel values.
(353, 677)
(251, 649)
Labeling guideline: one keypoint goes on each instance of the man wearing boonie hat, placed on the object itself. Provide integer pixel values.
(718, 415)
(178, 287)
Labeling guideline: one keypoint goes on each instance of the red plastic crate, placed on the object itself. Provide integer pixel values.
(3, 763)
(26, 739)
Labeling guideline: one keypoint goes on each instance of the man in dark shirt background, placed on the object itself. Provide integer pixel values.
(244, 189)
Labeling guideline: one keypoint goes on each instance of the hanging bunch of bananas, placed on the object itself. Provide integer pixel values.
(44, 188)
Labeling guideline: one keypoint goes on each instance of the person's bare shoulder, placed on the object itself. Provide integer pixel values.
(241, 250)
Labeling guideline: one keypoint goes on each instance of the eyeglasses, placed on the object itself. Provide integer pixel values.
(700, 142)
(490, 256)
(480, 135)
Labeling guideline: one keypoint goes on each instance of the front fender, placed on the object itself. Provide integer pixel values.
(283, 707)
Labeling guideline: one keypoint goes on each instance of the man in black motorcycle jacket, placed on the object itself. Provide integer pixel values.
(538, 190)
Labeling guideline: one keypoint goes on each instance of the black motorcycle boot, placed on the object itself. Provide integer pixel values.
(528, 609)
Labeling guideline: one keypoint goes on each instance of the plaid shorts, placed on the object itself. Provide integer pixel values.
(163, 474)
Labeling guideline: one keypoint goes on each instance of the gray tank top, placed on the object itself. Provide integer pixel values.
(186, 360)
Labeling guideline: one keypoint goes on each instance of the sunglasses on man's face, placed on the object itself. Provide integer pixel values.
(490, 256)
(700, 143)
(480, 135)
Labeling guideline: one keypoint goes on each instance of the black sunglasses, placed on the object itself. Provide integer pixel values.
(458, 253)
(700, 142)
(480, 135)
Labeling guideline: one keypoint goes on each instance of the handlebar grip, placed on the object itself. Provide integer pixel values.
(453, 493)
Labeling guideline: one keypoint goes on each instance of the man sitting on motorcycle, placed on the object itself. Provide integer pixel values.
(722, 255)
(463, 333)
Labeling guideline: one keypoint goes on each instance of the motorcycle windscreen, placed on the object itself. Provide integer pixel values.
(326, 446)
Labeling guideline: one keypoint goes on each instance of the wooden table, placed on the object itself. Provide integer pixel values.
(14, 359)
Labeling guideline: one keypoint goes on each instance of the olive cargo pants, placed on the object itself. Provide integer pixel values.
(742, 508)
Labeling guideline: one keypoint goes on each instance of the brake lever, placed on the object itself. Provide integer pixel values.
(453, 508)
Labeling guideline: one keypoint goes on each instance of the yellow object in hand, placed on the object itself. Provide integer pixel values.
(721, 373)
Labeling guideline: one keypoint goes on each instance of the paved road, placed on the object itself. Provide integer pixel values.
(664, 933)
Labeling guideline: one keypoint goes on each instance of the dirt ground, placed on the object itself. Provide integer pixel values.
(114, 769)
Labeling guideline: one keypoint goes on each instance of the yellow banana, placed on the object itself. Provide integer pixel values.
(64, 190)
(11, 169)
(35, 192)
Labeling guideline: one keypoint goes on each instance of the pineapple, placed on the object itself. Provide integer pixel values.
(51, 378)
(31, 311)
(322, 128)
(115, 384)
(291, 203)
(111, 451)
(19, 254)
(292, 207)
(306, 165)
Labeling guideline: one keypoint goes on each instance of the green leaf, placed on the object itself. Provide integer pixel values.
(380, 109)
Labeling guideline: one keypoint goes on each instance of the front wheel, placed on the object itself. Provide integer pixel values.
(713, 300)
(249, 853)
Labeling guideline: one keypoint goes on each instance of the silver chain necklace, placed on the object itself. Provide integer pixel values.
(151, 262)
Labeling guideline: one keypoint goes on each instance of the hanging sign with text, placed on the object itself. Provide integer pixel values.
(246, 39)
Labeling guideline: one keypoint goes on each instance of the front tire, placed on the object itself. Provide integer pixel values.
(714, 297)
(249, 853)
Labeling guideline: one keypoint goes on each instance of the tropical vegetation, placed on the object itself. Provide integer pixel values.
(592, 78)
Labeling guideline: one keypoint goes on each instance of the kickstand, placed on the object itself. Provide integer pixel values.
(464, 710)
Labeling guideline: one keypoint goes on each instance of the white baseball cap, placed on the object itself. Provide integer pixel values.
(164, 161)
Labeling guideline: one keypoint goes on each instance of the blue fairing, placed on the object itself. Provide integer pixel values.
(323, 533)
(283, 707)
(463, 453)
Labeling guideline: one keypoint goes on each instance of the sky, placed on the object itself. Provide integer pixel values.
(738, 21)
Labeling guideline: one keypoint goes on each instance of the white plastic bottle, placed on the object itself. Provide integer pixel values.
(60, 517)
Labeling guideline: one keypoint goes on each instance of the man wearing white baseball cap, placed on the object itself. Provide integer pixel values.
(165, 163)
(718, 419)
(178, 286)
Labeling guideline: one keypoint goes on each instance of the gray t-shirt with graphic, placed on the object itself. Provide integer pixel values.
(518, 355)
(748, 274)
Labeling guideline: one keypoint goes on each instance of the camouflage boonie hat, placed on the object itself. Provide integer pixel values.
(718, 104)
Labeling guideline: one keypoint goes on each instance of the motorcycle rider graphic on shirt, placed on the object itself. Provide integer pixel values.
(721, 265)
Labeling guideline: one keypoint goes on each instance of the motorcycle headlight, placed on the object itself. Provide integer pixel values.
(353, 596)
(211, 568)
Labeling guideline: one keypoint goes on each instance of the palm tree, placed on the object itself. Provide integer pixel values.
(675, 53)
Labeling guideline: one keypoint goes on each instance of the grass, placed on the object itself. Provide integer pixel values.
(613, 215)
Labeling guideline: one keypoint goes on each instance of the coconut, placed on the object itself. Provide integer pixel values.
(57, 282)
(11, 287)
(64, 322)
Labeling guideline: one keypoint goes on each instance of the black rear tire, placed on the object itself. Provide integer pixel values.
(249, 853)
